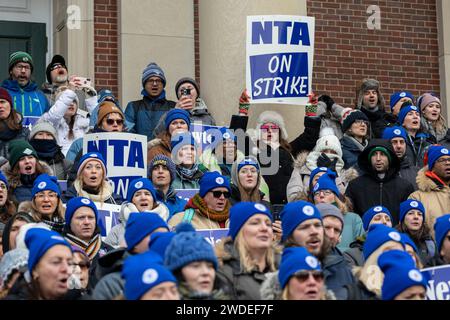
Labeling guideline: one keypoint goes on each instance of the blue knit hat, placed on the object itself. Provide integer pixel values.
(295, 259)
(441, 228)
(400, 273)
(3, 178)
(45, 182)
(396, 96)
(153, 70)
(326, 182)
(187, 246)
(404, 111)
(394, 132)
(159, 241)
(406, 239)
(372, 212)
(378, 235)
(241, 212)
(411, 204)
(294, 213)
(434, 153)
(140, 184)
(142, 272)
(104, 94)
(91, 156)
(165, 161)
(181, 139)
(248, 161)
(212, 180)
(74, 204)
(320, 169)
(141, 224)
(175, 114)
(227, 134)
(39, 241)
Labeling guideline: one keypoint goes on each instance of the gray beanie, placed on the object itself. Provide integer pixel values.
(329, 210)
(153, 70)
(13, 260)
(43, 126)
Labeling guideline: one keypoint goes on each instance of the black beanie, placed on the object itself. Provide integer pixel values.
(184, 80)
(57, 59)
(350, 117)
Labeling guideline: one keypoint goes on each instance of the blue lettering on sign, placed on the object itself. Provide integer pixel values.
(102, 216)
(120, 184)
(264, 32)
(135, 155)
(438, 282)
(279, 75)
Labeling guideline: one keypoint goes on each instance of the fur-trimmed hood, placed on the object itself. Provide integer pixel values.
(425, 183)
(271, 290)
(14, 180)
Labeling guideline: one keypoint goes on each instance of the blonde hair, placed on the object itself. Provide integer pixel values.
(37, 216)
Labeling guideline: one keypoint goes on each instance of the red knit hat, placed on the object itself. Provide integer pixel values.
(4, 94)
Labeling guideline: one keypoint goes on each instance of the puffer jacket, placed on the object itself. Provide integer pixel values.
(303, 166)
(434, 195)
(56, 117)
(29, 100)
(174, 203)
(271, 290)
(87, 102)
(237, 284)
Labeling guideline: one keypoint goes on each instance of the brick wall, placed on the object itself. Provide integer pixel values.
(402, 55)
(106, 45)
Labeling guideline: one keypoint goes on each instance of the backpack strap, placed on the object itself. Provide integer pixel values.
(188, 215)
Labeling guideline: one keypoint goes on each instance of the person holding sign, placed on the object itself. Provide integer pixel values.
(91, 181)
(209, 208)
(248, 254)
(184, 154)
(176, 121)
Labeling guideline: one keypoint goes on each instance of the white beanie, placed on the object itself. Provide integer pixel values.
(328, 140)
(274, 117)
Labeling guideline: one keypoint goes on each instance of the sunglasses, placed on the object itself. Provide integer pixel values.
(56, 66)
(112, 121)
(304, 275)
(218, 194)
(267, 127)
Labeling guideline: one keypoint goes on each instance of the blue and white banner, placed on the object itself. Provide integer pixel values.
(213, 236)
(186, 194)
(29, 122)
(125, 155)
(279, 58)
(438, 287)
(206, 136)
(108, 217)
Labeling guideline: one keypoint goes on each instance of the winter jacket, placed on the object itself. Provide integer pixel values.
(75, 148)
(337, 273)
(370, 190)
(303, 166)
(86, 102)
(71, 192)
(408, 171)
(358, 291)
(29, 100)
(181, 182)
(7, 135)
(158, 146)
(434, 195)
(427, 127)
(109, 268)
(237, 284)
(416, 148)
(271, 290)
(378, 121)
(143, 115)
(56, 117)
(60, 166)
(174, 203)
(353, 228)
(350, 151)
(306, 141)
(198, 221)
(354, 255)
(446, 141)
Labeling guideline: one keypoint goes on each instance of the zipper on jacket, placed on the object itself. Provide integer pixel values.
(381, 193)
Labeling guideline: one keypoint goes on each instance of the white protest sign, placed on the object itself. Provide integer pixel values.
(279, 58)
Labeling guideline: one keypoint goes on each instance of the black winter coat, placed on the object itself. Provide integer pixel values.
(378, 122)
(370, 190)
(408, 171)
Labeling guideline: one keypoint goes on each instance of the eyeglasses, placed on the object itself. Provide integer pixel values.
(41, 196)
(112, 121)
(360, 122)
(325, 193)
(443, 160)
(267, 127)
(218, 194)
(155, 81)
(304, 275)
(21, 66)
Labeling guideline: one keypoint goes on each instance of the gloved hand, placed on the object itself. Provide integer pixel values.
(244, 103)
(325, 161)
(328, 101)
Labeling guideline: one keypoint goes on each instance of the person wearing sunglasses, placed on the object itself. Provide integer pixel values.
(249, 253)
(355, 126)
(209, 208)
(91, 181)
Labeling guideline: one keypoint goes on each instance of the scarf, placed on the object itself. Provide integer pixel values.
(188, 173)
(91, 248)
(360, 145)
(28, 179)
(46, 149)
(102, 196)
(55, 223)
(6, 133)
(199, 204)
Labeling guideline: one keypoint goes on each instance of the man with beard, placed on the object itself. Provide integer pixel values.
(26, 97)
(57, 76)
(303, 227)
(379, 184)
(397, 137)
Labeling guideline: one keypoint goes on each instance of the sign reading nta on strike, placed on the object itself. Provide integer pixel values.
(279, 58)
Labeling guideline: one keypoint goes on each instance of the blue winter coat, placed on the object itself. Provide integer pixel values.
(29, 100)
(172, 201)
(337, 273)
(143, 115)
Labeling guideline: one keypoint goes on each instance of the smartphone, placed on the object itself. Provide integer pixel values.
(276, 211)
(85, 82)
(186, 92)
